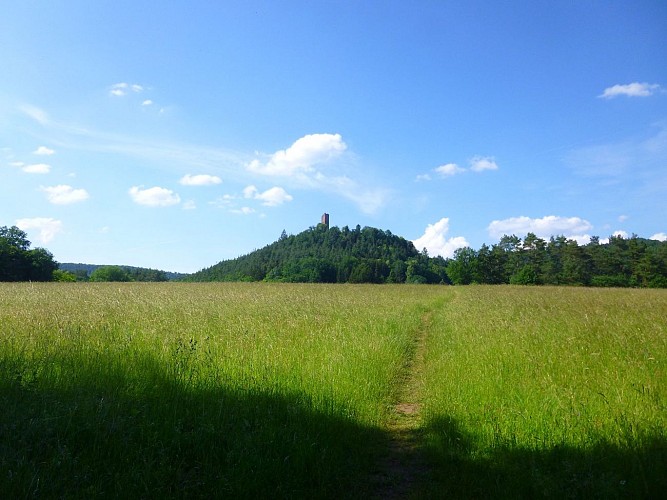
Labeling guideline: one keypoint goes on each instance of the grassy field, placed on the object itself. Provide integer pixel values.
(247, 390)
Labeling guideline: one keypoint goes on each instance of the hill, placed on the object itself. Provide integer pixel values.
(323, 254)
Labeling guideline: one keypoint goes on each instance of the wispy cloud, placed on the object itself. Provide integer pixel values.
(200, 180)
(64, 194)
(630, 157)
(476, 164)
(545, 227)
(37, 114)
(318, 162)
(121, 89)
(154, 197)
(436, 242)
(37, 168)
(635, 89)
(46, 227)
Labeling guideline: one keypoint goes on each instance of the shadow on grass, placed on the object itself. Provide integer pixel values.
(110, 434)
(603, 470)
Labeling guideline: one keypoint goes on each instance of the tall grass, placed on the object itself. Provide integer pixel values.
(548, 391)
(197, 389)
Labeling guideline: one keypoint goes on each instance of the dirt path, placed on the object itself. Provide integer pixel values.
(403, 467)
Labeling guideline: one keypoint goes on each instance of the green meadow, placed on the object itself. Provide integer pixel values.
(284, 390)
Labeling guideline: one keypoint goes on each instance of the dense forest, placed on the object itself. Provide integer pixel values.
(622, 262)
(369, 255)
(94, 272)
(18, 262)
(332, 255)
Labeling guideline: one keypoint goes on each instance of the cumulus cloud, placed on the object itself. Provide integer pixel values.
(47, 227)
(634, 89)
(551, 225)
(64, 194)
(154, 197)
(37, 168)
(481, 163)
(43, 151)
(302, 156)
(271, 197)
(659, 237)
(200, 180)
(436, 242)
(449, 169)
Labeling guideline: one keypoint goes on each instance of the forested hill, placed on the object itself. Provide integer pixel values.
(332, 255)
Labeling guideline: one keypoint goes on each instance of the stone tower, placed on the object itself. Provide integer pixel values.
(325, 219)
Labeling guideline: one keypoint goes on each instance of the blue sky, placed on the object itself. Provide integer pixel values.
(177, 134)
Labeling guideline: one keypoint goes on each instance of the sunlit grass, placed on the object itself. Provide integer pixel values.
(256, 390)
(188, 389)
(548, 391)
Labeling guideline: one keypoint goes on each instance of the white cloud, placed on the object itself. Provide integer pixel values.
(43, 151)
(659, 237)
(154, 197)
(47, 227)
(422, 177)
(551, 225)
(635, 89)
(189, 205)
(436, 242)
(622, 234)
(302, 156)
(449, 169)
(271, 197)
(623, 218)
(200, 180)
(481, 163)
(122, 88)
(64, 194)
(243, 211)
(147, 102)
(37, 168)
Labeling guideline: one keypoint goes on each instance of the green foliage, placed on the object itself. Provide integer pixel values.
(83, 272)
(63, 276)
(110, 273)
(632, 262)
(20, 263)
(332, 255)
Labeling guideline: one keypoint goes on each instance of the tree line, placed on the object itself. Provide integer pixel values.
(622, 262)
(18, 262)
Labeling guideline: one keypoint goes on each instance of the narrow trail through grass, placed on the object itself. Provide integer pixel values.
(403, 467)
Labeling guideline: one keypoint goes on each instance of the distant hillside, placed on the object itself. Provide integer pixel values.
(332, 255)
(139, 273)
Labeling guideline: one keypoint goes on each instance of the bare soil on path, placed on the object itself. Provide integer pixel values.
(403, 467)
